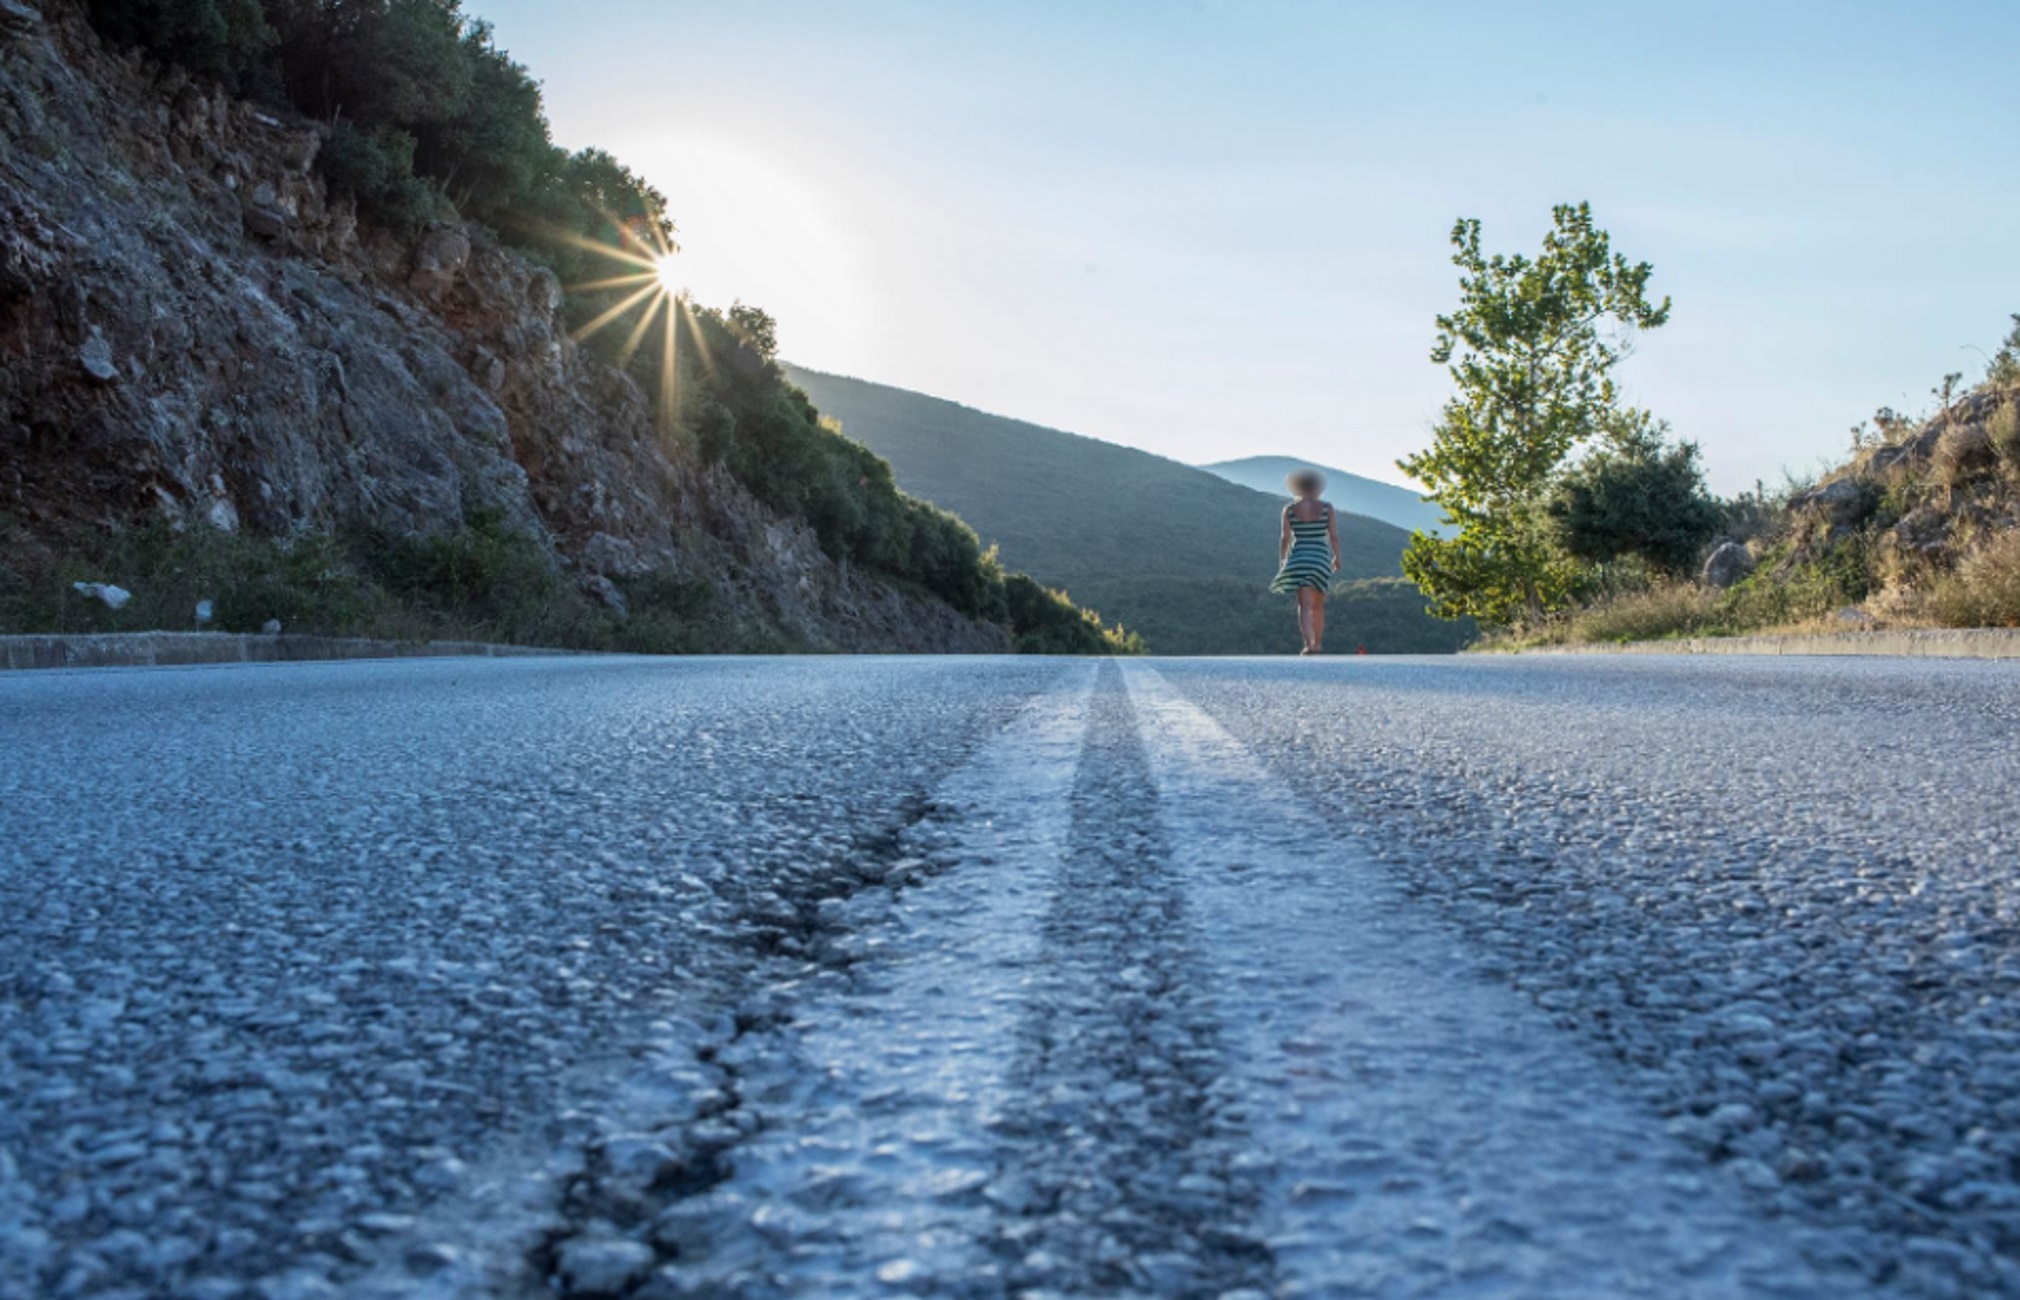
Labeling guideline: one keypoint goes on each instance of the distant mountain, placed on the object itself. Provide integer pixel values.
(1174, 552)
(1364, 496)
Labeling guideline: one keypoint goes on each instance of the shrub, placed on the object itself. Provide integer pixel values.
(1638, 498)
(2002, 429)
(1048, 622)
(1790, 588)
(378, 170)
(484, 575)
(1983, 590)
(1959, 455)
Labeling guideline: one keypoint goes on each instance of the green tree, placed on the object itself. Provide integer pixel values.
(1637, 495)
(223, 39)
(1531, 349)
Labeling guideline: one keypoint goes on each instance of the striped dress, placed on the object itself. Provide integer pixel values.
(1310, 562)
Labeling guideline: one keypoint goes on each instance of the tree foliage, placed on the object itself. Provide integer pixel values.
(1637, 495)
(1048, 622)
(426, 115)
(1531, 350)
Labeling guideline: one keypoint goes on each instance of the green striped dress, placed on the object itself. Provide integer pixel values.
(1310, 562)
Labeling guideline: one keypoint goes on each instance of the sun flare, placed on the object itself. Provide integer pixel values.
(668, 272)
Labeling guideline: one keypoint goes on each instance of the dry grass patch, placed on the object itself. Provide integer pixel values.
(1983, 590)
(2003, 431)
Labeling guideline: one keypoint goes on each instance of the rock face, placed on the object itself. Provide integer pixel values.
(189, 323)
(1726, 565)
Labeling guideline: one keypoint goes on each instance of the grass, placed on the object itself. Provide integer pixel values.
(1983, 590)
(1787, 593)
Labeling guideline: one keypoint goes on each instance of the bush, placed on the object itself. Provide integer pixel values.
(1983, 590)
(2003, 431)
(1048, 622)
(378, 170)
(1960, 454)
(1637, 498)
(1794, 589)
(765, 432)
(485, 576)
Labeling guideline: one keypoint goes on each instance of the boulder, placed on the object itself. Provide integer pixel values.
(439, 258)
(1924, 529)
(96, 358)
(1843, 500)
(1727, 564)
(264, 222)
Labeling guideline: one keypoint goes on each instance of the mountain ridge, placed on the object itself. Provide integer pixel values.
(1173, 551)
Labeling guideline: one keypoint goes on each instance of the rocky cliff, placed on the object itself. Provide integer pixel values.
(191, 326)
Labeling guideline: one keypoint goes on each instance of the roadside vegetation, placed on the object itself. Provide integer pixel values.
(1580, 519)
(485, 581)
(426, 120)
(1919, 527)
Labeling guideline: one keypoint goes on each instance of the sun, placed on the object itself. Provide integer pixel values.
(653, 294)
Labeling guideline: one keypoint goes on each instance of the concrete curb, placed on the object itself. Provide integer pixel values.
(143, 649)
(1913, 643)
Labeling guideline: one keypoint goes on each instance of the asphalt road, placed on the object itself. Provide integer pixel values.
(1531, 977)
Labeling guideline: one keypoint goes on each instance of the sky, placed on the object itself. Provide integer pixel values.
(1220, 229)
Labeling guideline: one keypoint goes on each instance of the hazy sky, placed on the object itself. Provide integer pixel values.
(1219, 229)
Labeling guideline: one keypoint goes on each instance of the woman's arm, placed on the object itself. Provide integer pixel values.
(1284, 537)
(1333, 535)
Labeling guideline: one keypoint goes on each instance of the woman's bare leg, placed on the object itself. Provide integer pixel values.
(1318, 632)
(1305, 617)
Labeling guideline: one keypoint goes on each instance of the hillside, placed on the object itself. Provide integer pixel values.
(234, 375)
(1918, 528)
(1353, 492)
(1173, 552)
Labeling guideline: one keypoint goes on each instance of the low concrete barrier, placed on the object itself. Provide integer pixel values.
(140, 649)
(1923, 643)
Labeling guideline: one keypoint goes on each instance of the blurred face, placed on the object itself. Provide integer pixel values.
(1305, 485)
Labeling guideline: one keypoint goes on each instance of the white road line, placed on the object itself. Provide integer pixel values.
(868, 1177)
(1420, 1130)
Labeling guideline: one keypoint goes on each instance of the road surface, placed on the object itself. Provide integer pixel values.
(940, 977)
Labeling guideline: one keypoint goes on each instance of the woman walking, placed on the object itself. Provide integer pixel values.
(1308, 554)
